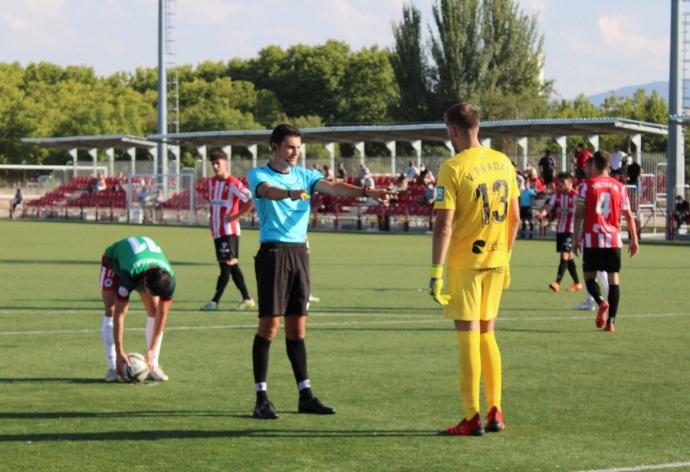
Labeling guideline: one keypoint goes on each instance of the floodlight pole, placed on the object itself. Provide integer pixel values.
(675, 177)
(162, 127)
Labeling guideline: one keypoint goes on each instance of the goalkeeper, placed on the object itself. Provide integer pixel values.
(477, 219)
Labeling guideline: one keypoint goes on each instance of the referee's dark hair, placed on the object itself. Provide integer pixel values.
(600, 160)
(564, 176)
(217, 154)
(281, 132)
(158, 281)
(463, 115)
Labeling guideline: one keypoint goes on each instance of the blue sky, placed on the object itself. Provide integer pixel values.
(591, 46)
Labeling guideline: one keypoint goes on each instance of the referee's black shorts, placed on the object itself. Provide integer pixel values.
(596, 259)
(282, 278)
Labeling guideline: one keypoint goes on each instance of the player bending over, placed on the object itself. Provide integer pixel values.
(135, 263)
(564, 201)
(477, 220)
(600, 203)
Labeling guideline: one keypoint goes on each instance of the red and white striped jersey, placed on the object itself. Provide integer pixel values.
(604, 199)
(564, 203)
(225, 196)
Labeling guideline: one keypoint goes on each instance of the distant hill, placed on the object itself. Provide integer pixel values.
(660, 87)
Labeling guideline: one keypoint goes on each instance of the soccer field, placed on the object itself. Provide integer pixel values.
(380, 351)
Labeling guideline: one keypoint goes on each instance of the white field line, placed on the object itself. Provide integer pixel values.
(332, 324)
(671, 465)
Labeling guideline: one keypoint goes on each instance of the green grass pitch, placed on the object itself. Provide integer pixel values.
(379, 350)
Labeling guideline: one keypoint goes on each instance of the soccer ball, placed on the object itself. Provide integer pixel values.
(137, 370)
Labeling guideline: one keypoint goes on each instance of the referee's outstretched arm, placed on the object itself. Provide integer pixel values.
(341, 189)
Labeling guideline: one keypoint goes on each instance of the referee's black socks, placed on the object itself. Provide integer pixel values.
(260, 351)
(297, 353)
(593, 289)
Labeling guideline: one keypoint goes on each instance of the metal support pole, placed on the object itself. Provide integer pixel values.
(132, 153)
(359, 146)
(227, 149)
(522, 144)
(486, 142)
(417, 146)
(110, 152)
(675, 176)
(391, 148)
(93, 152)
(175, 151)
(637, 141)
(253, 150)
(330, 148)
(154, 154)
(562, 141)
(161, 164)
(594, 141)
(303, 154)
(73, 153)
(202, 152)
(449, 146)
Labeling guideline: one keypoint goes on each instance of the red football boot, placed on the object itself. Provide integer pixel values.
(603, 314)
(466, 427)
(494, 421)
(555, 286)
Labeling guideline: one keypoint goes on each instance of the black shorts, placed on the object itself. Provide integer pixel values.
(564, 242)
(525, 213)
(282, 279)
(547, 177)
(227, 247)
(601, 259)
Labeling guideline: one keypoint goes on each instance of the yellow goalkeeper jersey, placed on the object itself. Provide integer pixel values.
(478, 184)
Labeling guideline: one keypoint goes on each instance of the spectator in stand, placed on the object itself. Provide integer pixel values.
(424, 170)
(634, 172)
(341, 173)
(361, 173)
(581, 157)
(16, 201)
(536, 182)
(328, 173)
(429, 196)
(412, 171)
(101, 183)
(617, 160)
(682, 211)
(547, 164)
(368, 180)
(400, 184)
(527, 196)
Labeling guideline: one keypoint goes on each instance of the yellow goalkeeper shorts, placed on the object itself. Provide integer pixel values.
(475, 294)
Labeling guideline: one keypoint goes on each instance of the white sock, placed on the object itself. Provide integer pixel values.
(150, 325)
(108, 341)
(603, 279)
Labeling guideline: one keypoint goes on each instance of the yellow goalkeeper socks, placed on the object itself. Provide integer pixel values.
(491, 368)
(470, 371)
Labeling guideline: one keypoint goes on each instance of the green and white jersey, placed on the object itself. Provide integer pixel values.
(130, 258)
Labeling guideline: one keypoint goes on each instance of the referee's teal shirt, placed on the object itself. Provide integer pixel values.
(286, 220)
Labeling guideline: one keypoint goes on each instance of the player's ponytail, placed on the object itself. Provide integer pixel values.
(158, 281)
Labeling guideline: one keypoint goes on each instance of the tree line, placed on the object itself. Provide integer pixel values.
(485, 51)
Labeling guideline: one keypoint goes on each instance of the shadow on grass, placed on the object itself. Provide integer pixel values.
(157, 435)
(88, 262)
(38, 415)
(73, 380)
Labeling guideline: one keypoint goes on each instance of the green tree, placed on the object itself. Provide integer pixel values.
(410, 67)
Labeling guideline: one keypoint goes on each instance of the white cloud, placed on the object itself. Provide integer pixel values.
(626, 36)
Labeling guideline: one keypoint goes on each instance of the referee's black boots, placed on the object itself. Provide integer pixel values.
(314, 406)
(264, 410)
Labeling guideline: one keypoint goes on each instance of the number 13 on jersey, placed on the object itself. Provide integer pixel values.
(499, 187)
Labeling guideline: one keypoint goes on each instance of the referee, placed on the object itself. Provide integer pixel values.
(281, 192)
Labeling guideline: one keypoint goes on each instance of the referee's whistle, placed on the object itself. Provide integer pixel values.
(304, 196)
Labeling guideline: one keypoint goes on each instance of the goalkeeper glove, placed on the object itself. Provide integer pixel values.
(436, 284)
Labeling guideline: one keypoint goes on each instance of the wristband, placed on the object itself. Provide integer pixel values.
(436, 271)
